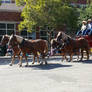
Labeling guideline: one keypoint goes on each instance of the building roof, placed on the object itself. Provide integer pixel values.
(11, 7)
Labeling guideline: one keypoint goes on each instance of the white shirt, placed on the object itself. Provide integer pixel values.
(83, 27)
(89, 26)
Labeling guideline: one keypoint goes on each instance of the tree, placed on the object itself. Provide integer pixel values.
(53, 13)
(85, 13)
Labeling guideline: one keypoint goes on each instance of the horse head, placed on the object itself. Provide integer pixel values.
(5, 39)
(59, 36)
(54, 43)
(15, 40)
(12, 41)
(63, 37)
(55, 46)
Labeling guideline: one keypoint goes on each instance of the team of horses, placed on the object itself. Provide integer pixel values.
(39, 47)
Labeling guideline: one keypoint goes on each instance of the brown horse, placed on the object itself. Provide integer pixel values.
(74, 45)
(55, 46)
(30, 46)
(15, 49)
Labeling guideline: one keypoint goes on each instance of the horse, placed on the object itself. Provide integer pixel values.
(74, 45)
(16, 50)
(30, 46)
(55, 46)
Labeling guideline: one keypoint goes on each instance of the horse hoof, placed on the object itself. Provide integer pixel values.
(69, 61)
(20, 65)
(32, 63)
(46, 63)
(41, 63)
(10, 64)
(26, 65)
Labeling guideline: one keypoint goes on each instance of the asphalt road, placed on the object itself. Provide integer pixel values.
(57, 76)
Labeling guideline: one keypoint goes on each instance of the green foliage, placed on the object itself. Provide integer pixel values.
(86, 13)
(53, 13)
(20, 2)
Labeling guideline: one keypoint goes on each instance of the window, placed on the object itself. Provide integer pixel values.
(9, 32)
(28, 35)
(7, 28)
(2, 26)
(5, 1)
(10, 26)
(24, 33)
(44, 34)
(2, 32)
(31, 35)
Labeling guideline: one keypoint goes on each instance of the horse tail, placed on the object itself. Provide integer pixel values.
(46, 48)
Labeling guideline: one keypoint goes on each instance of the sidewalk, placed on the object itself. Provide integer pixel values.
(5, 57)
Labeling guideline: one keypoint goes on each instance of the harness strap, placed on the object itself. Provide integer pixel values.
(67, 41)
(22, 43)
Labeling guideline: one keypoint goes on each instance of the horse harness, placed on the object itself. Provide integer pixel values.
(22, 43)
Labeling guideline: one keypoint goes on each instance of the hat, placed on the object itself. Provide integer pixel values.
(89, 20)
(84, 21)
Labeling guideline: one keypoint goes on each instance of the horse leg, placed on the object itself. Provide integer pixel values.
(81, 54)
(33, 59)
(71, 55)
(78, 53)
(38, 59)
(43, 59)
(78, 56)
(35, 55)
(87, 52)
(25, 59)
(64, 57)
(20, 60)
(18, 57)
(12, 61)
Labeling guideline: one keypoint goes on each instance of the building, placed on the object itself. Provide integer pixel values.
(10, 17)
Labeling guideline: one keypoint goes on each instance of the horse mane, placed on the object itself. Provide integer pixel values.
(19, 38)
(65, 36)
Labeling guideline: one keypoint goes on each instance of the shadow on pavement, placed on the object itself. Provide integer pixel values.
(4, 62)
(87, 61)
(7, 61)
(83, 61)
(49, 66)
(54, 58)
